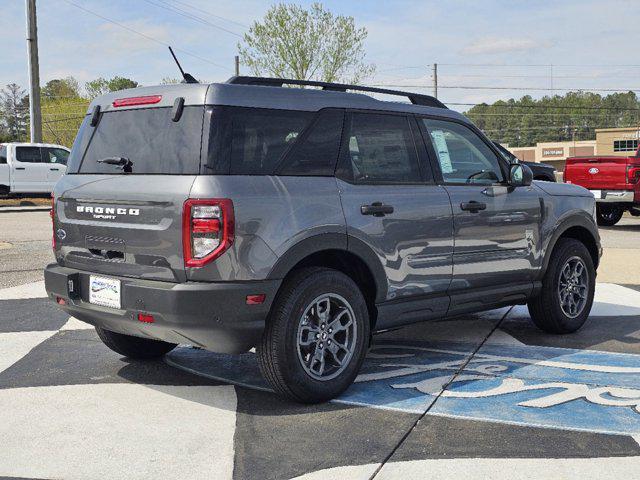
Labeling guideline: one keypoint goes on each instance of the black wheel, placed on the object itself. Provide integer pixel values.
(608, 215)
(316, 336)
(134, 347)
(565, 300)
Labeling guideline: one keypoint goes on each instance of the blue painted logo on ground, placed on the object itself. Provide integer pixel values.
(528, 385)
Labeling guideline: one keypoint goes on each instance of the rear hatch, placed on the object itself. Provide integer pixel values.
(598, 173)
(119, 208)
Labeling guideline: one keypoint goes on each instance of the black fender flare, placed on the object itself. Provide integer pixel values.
(575, 219)
(332, 241)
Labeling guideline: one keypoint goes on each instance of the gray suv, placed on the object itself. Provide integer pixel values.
(300, 221)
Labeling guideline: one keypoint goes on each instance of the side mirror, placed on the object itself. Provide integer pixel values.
(520, 175)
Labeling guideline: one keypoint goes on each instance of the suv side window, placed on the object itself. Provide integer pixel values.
(29, 154)
(462, 155)
(55, 155)
(380, 149)
(316, 153)
(260, 138)
(3, 155)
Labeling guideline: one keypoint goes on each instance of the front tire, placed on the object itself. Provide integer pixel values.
(134, 347)
(568, 287)
(608, 215)
(316, 337)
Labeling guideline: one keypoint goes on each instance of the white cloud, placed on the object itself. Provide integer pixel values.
(494, 45)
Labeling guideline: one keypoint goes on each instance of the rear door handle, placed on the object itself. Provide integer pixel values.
(54, 169)
(377, 209)
(473, 206)
(20, 168)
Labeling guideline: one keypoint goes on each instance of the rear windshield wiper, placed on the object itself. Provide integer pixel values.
(122, 162)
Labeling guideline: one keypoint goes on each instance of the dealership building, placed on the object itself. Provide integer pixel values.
(609, 141)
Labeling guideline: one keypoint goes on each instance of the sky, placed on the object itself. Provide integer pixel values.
(509, 48)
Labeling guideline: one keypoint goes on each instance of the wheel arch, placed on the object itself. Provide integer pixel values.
(579, 227)
(344, 253)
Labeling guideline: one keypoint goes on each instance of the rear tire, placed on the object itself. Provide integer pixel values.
(568, 286)
(608, 215)
(134, 347)
(316, 336)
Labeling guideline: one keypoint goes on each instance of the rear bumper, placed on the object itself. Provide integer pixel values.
(214, 316)
(616, 196)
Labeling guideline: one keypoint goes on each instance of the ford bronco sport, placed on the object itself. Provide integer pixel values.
(299, 221)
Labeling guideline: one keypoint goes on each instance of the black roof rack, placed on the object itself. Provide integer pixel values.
(415, 98)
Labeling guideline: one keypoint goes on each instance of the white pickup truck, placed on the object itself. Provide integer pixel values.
(31, 167)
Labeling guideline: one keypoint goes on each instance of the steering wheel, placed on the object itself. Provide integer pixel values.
(491, 176)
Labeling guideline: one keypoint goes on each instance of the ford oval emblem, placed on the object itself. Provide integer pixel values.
(593, 170)
(61, 234)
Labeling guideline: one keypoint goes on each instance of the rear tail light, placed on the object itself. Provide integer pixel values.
(633, 173)
(207, 230)
(145, 318)
(52, 213)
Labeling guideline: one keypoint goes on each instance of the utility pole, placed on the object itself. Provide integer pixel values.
(35, 114)
(237, 66)
(435, 80)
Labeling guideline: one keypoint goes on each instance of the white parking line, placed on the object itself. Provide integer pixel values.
(118, 431)
(15, 345)
(28, 290)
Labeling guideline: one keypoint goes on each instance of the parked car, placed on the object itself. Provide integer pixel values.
(541, 171)
(300, 221)
(31, 167)
(613, 181)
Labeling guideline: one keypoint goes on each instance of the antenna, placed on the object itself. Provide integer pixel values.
(188, 78)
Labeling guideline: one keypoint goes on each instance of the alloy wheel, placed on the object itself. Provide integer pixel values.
(573, 287)
(326, 337)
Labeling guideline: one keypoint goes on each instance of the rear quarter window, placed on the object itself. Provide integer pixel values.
(252, 141)
(147, 137)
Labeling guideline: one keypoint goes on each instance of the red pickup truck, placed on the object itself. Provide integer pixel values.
(614, 182)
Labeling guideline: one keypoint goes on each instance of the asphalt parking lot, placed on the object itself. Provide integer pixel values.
(480, 396)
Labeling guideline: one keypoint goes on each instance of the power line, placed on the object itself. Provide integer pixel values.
(541, 106)
(478, 87)
(206, 12)
(191, 16)
(148, 37)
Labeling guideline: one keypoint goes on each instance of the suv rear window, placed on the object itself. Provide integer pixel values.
(147, 137)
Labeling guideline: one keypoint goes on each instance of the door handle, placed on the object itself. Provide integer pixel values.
(54, 169)
(473, 206)
(20, 168)
(377, 209)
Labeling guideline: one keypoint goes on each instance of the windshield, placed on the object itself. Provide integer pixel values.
(148, 138)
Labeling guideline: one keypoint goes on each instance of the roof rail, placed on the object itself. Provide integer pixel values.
(415, 98)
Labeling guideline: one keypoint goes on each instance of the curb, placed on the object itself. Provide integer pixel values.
(36, 208)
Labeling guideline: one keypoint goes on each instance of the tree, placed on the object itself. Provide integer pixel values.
(14, 113)
(61, 119)
(573, 116)
(61, 88)
(292, 42)
(100, 85)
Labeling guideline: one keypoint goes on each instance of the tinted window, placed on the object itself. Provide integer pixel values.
(380, 149)
(148, 137)
(462, 155)
(315, 154)
(28, 154)
(55, 155)
(260, 138)
(3, 155)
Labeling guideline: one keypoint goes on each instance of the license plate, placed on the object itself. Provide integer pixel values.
(597, 193)
(104, 291)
